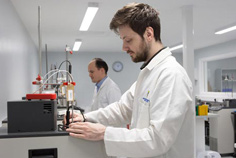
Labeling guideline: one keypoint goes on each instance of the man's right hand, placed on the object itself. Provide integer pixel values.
(76, 118)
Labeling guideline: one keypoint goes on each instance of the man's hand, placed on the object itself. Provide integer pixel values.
(76, 118)
(87, 130)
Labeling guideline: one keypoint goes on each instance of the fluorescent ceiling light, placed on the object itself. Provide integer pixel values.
(226, 30)
(176, 47)
(77, 45)
(89, 15)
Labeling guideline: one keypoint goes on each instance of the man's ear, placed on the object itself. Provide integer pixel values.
(149, 33)
(102, 69)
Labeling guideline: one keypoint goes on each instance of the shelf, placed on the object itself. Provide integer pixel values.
(228, 80)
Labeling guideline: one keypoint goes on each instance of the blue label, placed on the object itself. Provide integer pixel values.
(146, 100)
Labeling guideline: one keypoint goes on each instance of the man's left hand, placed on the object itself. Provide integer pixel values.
(87, 130)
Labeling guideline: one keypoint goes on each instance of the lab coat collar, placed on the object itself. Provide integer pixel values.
(159, 57)
(146, 63)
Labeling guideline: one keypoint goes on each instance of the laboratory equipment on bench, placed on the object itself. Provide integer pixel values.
(202, 110)
(39, 111)
(222, 129)
(31, 116)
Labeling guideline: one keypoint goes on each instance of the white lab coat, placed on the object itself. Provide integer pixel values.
(162, 124)
(108, 93)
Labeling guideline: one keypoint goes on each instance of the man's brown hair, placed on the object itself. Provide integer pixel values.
(138, 17)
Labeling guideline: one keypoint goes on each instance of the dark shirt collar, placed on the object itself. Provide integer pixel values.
(146, 63)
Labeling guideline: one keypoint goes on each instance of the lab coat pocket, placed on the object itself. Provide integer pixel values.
(144, 113)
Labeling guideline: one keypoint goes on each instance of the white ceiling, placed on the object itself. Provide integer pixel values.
(61, 19)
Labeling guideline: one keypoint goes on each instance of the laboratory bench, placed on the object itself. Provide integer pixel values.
(65, 146)
(37, 135)
(50, 144)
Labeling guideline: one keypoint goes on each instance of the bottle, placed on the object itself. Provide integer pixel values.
(203, 109)
(197, 106)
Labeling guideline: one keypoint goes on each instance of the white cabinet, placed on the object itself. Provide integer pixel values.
(225, 80)
(222, 131)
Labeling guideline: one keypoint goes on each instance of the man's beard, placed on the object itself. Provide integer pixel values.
(141, 55)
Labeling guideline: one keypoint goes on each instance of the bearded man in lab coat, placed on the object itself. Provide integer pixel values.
(106, 90)
(158, 106)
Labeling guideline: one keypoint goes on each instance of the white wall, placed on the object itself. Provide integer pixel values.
(18, 58)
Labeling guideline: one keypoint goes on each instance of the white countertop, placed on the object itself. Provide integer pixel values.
(208, 116)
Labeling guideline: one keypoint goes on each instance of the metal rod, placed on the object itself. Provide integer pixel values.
(67, 76)
(67, 65)
(46, 52)
(40, 43)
